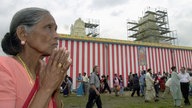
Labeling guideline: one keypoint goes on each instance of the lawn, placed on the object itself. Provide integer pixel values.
(126, 101)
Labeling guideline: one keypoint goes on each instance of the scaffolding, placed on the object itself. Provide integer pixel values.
(92, 28)
(152, 27)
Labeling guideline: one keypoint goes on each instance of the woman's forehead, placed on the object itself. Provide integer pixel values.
(48, 19)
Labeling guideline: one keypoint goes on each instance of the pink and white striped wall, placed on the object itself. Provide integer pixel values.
(121, 58)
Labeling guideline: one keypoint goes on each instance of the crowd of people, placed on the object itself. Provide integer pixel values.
(147, 85)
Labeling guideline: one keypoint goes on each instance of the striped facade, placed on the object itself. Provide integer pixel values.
(121, 58)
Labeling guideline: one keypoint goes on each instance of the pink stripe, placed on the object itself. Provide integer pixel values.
(94, 54)
(77, 60)
(88, 60)
(83, 57)
(66, 44)
(98, 46)
(60, 43)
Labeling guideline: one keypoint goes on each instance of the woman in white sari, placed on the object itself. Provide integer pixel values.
(150, 91)
(175, 88)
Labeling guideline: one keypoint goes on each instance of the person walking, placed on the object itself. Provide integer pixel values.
(184, 81)
(94, 95)
(142, 82)
(135, 85)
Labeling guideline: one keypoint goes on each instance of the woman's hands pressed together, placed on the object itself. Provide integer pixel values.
(52, 74)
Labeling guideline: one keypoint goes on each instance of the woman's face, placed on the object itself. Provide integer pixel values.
(43, 37)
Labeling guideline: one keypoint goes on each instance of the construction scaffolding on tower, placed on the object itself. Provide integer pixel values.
(152, 27)
(92, 27)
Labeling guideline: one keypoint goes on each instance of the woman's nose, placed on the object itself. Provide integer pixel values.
(56, 36)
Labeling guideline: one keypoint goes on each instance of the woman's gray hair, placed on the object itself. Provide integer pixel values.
(27, 18)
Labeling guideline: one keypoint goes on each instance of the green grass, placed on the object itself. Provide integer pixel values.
(126, 101)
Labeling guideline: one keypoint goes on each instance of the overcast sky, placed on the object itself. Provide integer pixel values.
(112, 14)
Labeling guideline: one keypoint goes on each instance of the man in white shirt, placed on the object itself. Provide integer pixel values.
(184, 81)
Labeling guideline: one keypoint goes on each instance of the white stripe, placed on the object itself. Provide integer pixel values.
(158, 61)
(128, 59)
(150, 58)
(96, 54)
(147, 58)
(69, 49)
(111, 66)
(106, 55)
(178, 60)
(115, 58)
(155, 61)
(184, 58)
(101, 58)
(175, 57)
(170, 59)
(63, 43)
(188, 58)
(161, 63)
(132, 60)
(124, 66)
(86, 57)
(164, 60)
(80, 58)
(91, 56)
(136, 62)
(120, 62)
(74, 63)
(167, 60)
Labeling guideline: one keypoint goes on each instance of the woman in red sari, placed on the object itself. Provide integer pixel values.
(25, 80)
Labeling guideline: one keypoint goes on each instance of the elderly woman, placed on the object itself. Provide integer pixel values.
(25, 80)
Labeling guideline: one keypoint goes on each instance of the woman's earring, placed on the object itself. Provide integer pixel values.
(22, 42)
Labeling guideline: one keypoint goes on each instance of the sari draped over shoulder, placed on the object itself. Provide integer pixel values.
(15, 85)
